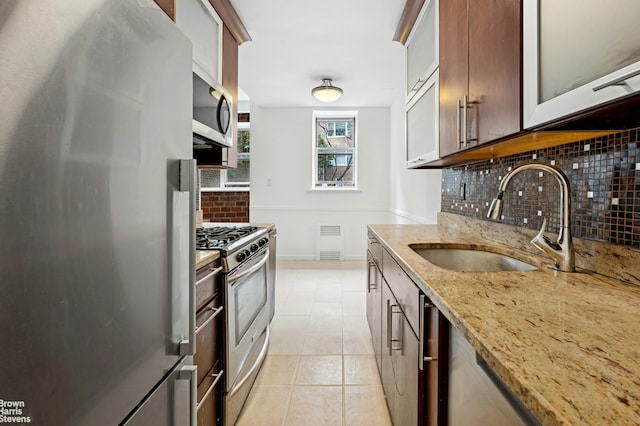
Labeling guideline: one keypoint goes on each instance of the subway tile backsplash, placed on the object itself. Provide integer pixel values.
(605, 188)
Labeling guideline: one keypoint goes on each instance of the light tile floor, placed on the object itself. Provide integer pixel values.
(320, 369)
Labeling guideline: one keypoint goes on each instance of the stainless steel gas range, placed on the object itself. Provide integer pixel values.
(244, 251)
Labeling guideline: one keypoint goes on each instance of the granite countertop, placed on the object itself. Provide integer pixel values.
(567, 344)
(206, 256)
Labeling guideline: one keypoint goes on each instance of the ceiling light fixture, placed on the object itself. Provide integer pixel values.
(326, 92)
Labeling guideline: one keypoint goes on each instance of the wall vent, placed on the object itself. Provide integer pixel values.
(329, 242)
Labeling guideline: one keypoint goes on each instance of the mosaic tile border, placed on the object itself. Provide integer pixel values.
(605, 188)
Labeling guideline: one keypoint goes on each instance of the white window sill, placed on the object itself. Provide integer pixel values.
(238, 189)
(334, 189)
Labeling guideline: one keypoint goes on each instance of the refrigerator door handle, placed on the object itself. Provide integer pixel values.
(190, 372)
(188, 184)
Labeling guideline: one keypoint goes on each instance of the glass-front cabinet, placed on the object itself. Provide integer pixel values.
(422, 48)
(200, 22)
(422, 91)
(421, 121)
(578, 55)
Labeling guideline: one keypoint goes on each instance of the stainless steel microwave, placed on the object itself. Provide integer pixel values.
(211, 113)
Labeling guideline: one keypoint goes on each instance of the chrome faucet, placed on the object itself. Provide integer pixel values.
(561, 250)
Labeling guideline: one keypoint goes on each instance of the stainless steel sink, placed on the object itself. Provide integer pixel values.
(470, 259)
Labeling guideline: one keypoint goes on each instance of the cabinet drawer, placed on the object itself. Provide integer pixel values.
(210, 398)
(404, 290)
(206, 284)
(208, 323)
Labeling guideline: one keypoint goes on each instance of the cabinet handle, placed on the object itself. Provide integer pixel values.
(421, 338)
(465, 114)
(421, 332)
(462, 123)
(390, 339)
(617, 81)
(389, 326)
(372, 283)
(209, 275)
(468, 105)
(211, 388)
(216, 312)
(458, 124)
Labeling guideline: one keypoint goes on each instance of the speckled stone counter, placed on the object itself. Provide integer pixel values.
(567, 344)
(205, 256)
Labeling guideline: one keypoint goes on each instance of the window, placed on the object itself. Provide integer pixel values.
(231, 179)
(239, 177)
(334, 146)
(339, 128)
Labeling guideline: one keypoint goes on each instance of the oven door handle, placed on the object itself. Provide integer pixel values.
(251, 270)
(261, 356)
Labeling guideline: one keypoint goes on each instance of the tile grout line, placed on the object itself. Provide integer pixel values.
(344, 397)
(291, 389)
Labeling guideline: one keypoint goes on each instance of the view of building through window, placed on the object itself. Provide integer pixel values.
(335, 151)
(239, 177)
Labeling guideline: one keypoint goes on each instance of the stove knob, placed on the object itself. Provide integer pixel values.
(262, 242)
(254, 247)
(244, 254)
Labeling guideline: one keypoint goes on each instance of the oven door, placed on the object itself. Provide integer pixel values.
(247, 316)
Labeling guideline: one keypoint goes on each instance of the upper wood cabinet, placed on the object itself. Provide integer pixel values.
(169, 7)
(480, 72)
(230, 82)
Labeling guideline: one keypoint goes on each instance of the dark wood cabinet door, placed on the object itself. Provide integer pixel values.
(454, 71)
(480, 72)
(494, 69)
(374, 307)
(169, 7)
(435, 375)
(230, 82)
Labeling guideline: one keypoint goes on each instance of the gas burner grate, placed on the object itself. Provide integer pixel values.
(218, 238)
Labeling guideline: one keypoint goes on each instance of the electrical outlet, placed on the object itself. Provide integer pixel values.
(463, 191)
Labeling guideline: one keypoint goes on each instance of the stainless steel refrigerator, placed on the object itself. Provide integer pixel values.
(96, 204)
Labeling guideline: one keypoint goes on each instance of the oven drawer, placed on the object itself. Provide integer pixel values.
(210, 397)
(207, 280)
(208, 322)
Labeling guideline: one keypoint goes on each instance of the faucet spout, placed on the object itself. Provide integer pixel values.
(561, 250)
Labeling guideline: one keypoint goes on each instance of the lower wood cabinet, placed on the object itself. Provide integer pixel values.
(209, 343)
(411, 343)
(210, 397)
(399, 362)
(374, 301)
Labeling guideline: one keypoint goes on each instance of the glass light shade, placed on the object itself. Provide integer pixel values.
(326, 92)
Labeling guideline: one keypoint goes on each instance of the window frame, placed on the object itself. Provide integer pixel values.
(338, 116)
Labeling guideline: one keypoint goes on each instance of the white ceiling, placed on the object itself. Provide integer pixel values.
(295, 44)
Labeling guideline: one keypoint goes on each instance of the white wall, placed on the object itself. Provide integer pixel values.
(281, 154)
(414, 194)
